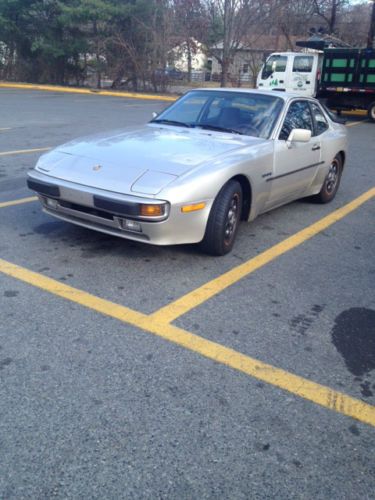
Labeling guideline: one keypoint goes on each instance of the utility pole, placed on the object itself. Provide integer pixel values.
(371, 33)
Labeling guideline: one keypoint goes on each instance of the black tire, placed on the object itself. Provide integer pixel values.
(223, 220)
(331, 182)
(371, 112)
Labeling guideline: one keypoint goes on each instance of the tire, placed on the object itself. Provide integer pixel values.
(223, 221)
(371, 112)
(331, 182)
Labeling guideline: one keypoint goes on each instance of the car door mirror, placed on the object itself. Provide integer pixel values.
(154, 115)
(298, 135)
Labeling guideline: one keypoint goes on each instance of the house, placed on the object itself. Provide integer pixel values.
(251, 54)
(189, 53)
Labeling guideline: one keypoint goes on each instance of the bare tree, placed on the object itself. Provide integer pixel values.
(328, 10)
(234, 19)
(293, 18)
(190, 26)
(371, 33)
(353, 26)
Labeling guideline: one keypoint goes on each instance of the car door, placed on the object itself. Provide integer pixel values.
(295, 164)
(274, 73)
(303, 76)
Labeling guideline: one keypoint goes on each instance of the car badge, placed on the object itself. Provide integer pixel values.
(97, 167)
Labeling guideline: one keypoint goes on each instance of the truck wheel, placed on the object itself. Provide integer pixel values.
(371, 112)
(223, 220)
(331, 182)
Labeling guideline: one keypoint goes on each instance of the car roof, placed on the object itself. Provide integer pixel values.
(284, 95)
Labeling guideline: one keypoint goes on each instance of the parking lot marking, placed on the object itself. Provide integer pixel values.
(299, 386)
(23, 151)
(67, 292)
(352, 124)
(357, 112)
(72, 90)
(18, 202)
(196, 297)
(4, 128)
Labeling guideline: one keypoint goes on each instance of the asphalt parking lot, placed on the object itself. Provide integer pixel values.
(132, 371)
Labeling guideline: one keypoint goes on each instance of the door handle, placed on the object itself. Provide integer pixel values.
(316, 147)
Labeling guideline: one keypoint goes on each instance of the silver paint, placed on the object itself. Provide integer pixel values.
(184, 166)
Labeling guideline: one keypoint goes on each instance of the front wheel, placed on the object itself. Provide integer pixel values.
(371, 112)
(223, 220)
(331, 182)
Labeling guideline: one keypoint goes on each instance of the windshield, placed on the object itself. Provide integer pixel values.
(242, 113)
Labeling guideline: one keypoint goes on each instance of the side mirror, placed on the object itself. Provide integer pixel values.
(154, 115)
(298, 135)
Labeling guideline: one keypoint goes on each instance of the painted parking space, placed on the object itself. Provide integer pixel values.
(159, 322)
(107, 315)
(23, 151)
(19, 201)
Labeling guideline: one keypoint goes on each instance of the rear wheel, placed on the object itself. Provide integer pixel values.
(223, 220)
(371, 112)
(331, 182)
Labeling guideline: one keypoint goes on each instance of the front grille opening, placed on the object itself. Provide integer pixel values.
(86, 210)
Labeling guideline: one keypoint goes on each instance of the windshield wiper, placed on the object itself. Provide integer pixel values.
(171, 122)
(219, 129)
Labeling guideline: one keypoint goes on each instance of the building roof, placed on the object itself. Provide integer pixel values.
(264, 43)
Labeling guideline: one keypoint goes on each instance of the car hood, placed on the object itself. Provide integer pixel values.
(142, 161)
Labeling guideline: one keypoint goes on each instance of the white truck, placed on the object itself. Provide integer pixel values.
(343, 79)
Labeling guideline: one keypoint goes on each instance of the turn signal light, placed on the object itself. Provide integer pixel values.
(152, 210)
(192, 208)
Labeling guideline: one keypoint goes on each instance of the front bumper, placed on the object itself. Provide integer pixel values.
(109, 212)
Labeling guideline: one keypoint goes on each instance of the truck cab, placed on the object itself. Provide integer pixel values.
(291, 72)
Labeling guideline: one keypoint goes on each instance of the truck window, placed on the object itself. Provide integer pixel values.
(298, 116)
(321, 124)
(303, 64)
(274, 63)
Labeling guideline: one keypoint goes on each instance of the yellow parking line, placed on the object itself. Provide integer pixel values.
(352, 124)
(72, 90)
(299, 386)
(357, 112)
(17, 202)
(23, 151)
(196, 297)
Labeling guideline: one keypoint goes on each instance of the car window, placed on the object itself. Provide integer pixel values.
(321, 124)
(275, 63)
(189, 109)
(246, 113)
(303, 64)
(298, 116)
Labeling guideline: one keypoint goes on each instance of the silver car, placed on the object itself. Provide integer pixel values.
(192, 173)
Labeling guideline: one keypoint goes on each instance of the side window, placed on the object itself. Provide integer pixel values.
(320, 121)
(303, 64)
(274, 63)
(298, 116)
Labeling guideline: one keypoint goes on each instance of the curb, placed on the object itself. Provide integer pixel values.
(358, 112)
(129, 95)
(73, 90)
